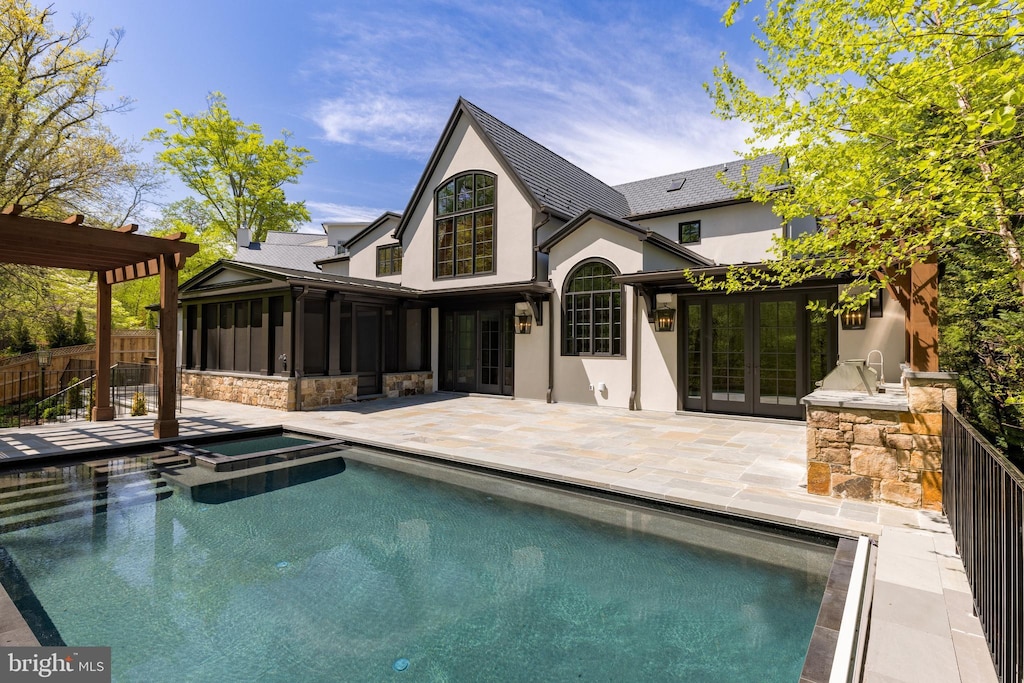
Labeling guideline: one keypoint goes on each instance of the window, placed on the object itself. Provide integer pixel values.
(593, 312)
(389, 259)
(464, 226)
(689, 232)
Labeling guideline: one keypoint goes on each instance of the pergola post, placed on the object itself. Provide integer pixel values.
(166, 424)
(102, 410)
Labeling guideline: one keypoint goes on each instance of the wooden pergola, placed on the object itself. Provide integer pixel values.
(115, 256)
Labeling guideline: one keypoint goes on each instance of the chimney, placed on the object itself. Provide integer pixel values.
(244, 237)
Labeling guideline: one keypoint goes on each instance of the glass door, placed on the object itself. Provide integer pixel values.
(756, 355)
(465, 351)
(490, 352)
(729, 357)
(779, 372)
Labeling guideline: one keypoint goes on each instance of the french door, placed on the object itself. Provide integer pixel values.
(754, 355)
(478, 351)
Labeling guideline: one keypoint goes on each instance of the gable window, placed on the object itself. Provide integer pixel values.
(592, 324)
(389, 259)
(689, 232)
(464, 226)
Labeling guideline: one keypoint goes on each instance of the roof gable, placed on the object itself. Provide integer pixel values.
(372, 227)
(550, 182)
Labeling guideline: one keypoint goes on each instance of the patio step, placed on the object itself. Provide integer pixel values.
(15, 483)
(172, 459)
(60, 508)
(82, 492)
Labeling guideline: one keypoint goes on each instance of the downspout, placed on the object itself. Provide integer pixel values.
(299, 336)
(551, 351)
(635, 352)
(549, 397)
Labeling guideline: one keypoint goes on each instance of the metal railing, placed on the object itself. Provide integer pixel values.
(31, 398)
(983, 496)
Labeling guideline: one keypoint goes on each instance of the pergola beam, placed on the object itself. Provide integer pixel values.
(115, 256)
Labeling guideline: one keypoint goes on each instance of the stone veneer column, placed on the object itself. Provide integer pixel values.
(884, 448)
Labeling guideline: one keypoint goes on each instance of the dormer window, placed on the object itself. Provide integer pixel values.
(464, 226)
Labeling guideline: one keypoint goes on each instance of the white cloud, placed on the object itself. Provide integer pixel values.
(380, 122)
(326, 212)
(618, 91)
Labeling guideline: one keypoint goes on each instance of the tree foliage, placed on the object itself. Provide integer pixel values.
(56, 157)
(238, 175)
(188, 216)
(902, 123)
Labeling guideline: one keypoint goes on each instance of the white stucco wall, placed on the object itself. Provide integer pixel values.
(659, 361)
(728, 234)
(363, 255)
(335, 268)
(531, 359)
(574, 375)
(887, 334)
(513, 227)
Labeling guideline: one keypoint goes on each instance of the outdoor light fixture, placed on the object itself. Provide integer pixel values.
(44, 356)
(855, 319)
(524, 321)
(664, 319)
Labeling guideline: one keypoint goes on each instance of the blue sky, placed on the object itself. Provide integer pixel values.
(368, 86)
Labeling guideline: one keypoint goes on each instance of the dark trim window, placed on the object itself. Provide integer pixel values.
(689, 232)
(464, 226)
(389, 259)
(592, 320)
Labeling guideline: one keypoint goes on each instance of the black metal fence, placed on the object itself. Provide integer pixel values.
(983, 496)
(28, 398)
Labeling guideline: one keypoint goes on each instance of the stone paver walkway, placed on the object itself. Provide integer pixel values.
(922, 628)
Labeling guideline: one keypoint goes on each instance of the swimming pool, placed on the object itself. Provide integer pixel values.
(376, 566)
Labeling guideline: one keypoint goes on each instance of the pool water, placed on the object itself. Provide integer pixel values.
(255, 445)
(374, 574)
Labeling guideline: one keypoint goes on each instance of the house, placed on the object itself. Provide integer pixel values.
(513, 272)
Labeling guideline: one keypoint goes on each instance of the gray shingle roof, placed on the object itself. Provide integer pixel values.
(297, 257)
(701, 187)
(553, 181)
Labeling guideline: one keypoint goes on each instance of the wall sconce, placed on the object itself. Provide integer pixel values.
(524, 322)
(855, 319)
(664, 319)
(44, 356)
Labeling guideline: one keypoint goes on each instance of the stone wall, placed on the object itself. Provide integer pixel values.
(279, 392)
(318, 392)
(250, 390)
(882, 449)
(408, 383)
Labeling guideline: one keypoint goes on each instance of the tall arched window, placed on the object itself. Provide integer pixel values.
(464, 226)
(593, 312)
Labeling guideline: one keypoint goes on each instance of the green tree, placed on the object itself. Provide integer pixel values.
(79, 332)
(58, 333)
(188, 216)
(56, 157)
(902, 126)
(21, 338)
(238, 175)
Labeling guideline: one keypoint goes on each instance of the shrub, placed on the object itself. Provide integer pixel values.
(138, 404)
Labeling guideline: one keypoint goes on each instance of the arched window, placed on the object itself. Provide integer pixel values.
(464, 226)
(593, 312)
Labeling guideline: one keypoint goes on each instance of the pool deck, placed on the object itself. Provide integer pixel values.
(921, 627)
